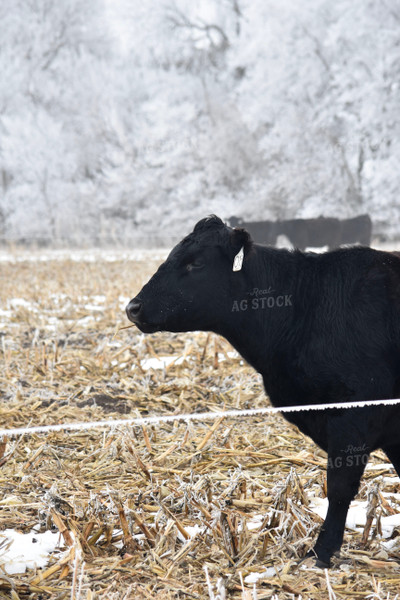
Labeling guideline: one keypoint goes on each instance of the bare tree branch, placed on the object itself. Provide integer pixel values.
(180, 20)
(318, 49)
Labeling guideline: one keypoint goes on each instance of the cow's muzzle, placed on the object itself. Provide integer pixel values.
(133, 310)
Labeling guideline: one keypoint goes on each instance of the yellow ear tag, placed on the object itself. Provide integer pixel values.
(238, 260)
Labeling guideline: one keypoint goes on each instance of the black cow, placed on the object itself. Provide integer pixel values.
(263, 232)
(308, 233)
(322, 328)
(358, 229)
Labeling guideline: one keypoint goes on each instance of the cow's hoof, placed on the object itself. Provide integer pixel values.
(321, 564)
(311, 560)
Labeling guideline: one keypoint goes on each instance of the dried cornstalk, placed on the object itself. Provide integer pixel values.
(130, 544)
(62, 528)
(209, 433)
(373, 504)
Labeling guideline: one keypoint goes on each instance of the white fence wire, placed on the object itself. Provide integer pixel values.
(201, 416)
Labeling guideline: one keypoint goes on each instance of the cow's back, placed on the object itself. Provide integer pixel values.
(356, 230)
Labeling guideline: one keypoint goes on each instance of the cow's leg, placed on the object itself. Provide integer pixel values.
(393, 454)
(346, 463)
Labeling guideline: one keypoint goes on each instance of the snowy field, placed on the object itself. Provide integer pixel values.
(218, 509)
(92, 255)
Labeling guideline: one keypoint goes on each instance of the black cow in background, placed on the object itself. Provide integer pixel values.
(325, 329)
(358, 229)
(310, 233)
(263, 232)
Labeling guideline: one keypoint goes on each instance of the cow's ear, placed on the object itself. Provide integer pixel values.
(240, 237)
(242, 242)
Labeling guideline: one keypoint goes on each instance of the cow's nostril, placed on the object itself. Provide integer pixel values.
(133, 309)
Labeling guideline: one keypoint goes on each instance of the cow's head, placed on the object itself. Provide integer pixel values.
(193, 288)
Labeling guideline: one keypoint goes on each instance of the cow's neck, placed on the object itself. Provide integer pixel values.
(261, 312)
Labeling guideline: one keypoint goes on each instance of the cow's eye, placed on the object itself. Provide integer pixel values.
(195, 265)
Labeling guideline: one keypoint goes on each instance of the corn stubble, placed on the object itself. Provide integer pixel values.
(174, 510)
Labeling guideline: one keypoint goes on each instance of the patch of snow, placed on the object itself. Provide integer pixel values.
(191, 531)
(389, 523)
(255, 577)
(319, 506)
(390, 544)
(391, 480)
(391, 495)
(357, 515)
(21, 302)
(21, 551)
(255, 522)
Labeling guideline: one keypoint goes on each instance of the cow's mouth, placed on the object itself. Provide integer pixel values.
(146, 327)
(135, 314)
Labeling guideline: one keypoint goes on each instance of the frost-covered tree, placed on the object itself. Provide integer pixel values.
(125, 122)
(321, 93)
(270, 111)
(51, 57)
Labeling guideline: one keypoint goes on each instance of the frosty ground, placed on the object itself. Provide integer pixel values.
(177, 510)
